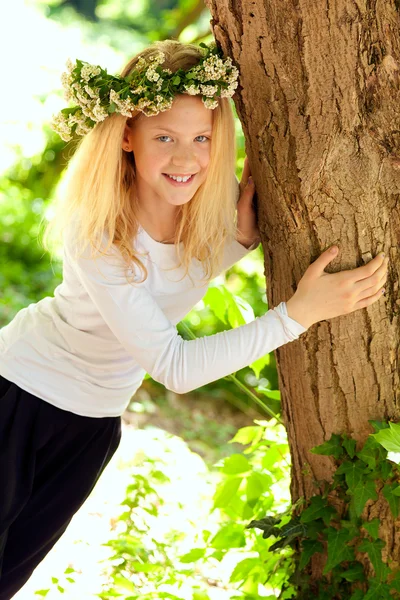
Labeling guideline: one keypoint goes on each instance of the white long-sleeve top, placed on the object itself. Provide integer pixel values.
(87, 349)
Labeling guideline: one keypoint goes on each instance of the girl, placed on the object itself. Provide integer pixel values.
(147, 217)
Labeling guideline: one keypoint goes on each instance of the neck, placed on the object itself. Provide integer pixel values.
(159, 222)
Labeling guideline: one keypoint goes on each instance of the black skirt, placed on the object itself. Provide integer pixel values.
(50, 461)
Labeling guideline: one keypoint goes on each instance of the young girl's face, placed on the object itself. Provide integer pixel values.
(173, 142)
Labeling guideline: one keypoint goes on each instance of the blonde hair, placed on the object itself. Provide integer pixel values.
(99, 189)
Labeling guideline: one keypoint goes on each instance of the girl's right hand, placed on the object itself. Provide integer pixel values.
(321, 295)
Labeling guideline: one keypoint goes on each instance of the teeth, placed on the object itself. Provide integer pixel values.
(180, 179)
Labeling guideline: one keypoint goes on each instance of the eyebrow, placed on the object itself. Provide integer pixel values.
(159, 128)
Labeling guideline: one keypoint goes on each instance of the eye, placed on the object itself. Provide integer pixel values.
(163, 136)
(206, 139)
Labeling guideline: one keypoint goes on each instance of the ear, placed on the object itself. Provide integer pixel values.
(126, 144)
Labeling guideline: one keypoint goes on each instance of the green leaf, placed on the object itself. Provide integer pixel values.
(332, 447)
(258, 365)
(353, 472)
(267, 525)
(236, 463)
(370, 452)
(229, 536)
(42, 593)
(215, 299)
(350, 446)
(243, 569)
(193, 555)
(248, 435)
(358, 595)
(363, 491)
(338, 551)
(226, 492)
(310, 547)
(372, 527)
(378, 425)
(318, 509)
(256, 486)
(389, 438)
(378, 591)
(374, 551)
(390, 493)
(355, 573)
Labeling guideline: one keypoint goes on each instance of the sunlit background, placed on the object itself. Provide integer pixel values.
(174, 501)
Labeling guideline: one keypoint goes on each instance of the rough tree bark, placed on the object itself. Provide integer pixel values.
(319, 104)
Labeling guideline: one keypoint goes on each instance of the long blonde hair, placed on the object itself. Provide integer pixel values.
(99, 185)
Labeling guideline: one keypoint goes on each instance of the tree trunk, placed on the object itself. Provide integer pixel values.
(319, 104)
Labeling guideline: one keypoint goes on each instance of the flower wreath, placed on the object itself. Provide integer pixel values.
(148, 88)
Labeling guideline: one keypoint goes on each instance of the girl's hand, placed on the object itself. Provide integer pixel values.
(321, 295)
(247, 228)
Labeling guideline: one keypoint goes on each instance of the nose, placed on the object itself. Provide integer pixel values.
(184, 158)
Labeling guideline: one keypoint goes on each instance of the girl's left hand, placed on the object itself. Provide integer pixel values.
(247, 228)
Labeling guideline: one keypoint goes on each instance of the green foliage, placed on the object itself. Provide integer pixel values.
(336, 522)
(144, 565)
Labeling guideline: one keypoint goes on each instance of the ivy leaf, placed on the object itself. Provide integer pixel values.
(389, 438)
(333, 447)
(358, 595)
(318, 509)
(390, 493)
(378, 425)
(370, 452)
(372, 527)
(337, 550)
(355, 573)
(353, 472)
(363, 491)
(350, 445)
(374, 551)
(288, 533)
(378, 590)
(310, 547)
(267, 525)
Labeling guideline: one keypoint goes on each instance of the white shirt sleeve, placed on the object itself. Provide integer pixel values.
(153, 341)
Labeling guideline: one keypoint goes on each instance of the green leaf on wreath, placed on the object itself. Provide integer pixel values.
(333, 447)
(310, 547)
(338, 551)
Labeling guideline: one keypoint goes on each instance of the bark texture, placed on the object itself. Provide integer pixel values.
(319, 102)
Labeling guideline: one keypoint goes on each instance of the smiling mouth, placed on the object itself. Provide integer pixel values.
(179, 183)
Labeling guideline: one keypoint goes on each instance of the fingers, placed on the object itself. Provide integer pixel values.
(370, 300)
(369, 269)
(368, 286)
(317, 267)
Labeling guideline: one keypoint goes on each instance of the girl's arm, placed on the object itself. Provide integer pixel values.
(143, 329)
